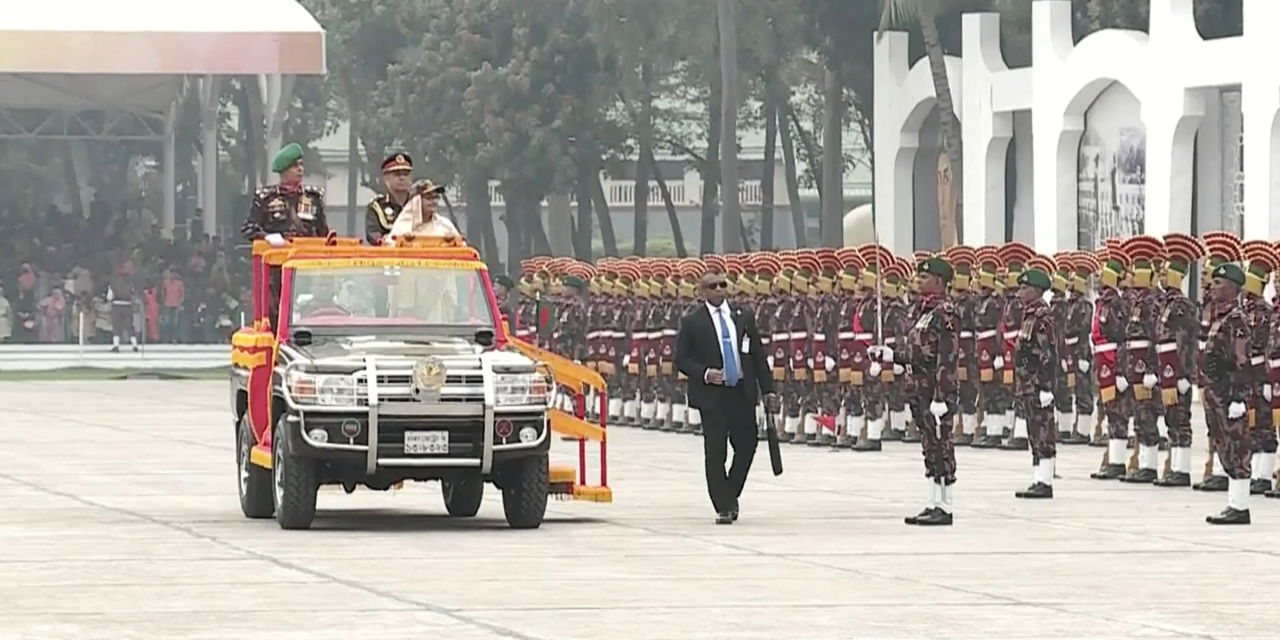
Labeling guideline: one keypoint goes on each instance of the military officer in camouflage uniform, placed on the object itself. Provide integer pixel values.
(1220, 247)
(1177, 344)
(1037, 367)
(1228, 390)
(1146, 254)
(988, 311)
(1016, 255)
(1262, 261)
(1077, 328)
(1110, 318)
(966, 297)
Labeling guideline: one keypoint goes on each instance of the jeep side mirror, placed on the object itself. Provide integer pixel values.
(485, 337)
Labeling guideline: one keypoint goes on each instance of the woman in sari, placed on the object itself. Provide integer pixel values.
(423, 296)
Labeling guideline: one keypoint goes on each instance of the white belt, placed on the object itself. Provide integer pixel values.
(1010, 335)
(781, 336)
(820, 336)
(1275, 363)
(1137, 344)
(670, 333)
(1166, 347)
(1202, 345)
(966, 334)
(890, 340)
(986, 334)
(863, 336)
(1257, 360)
(1073, 340)
(798, 335)
(594, 334)
(846, 335)
(1104, 347)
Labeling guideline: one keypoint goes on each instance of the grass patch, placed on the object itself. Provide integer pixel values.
(94, 373)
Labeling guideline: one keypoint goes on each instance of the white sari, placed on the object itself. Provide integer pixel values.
(421, 296)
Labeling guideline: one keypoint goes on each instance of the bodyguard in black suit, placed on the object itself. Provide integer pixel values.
(718, 348)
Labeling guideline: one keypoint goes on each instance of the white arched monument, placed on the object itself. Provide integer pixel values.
(1139, 177)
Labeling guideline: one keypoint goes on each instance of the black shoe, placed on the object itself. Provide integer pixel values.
(964, 440)
(1174, 479)
(668, 427)
(1015, 444)
(1141, 476)
(913, 520)
(1074, 439)
(935, 518)
(648, 424)
(1100, 442)
(1229, 516)
(823, 440)
(724, 517)
(733, 515)
(867, 445)
(1063, 436)
(1038, 490)
(115, 349)
(1272, 494)
(1212, 484)
(1164, 444)
(892, 435)
(987, 442)
(1109, 472)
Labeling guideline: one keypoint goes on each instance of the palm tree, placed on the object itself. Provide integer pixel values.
(730, 210)
(924, 14)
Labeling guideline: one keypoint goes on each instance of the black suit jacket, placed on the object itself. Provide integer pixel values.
(698, 349)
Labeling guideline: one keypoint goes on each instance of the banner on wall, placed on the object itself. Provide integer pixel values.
(1111, 169)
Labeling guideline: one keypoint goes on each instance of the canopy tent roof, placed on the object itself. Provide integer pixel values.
(132, 54)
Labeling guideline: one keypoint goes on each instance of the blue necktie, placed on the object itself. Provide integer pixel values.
(726, 351)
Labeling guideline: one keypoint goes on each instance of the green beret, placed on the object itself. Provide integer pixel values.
(573, 282)
(1229, 271)
(288, 156)
(504, 281)
(938, 267)
(1035, 278)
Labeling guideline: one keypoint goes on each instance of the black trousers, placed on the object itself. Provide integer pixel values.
(274, 279)
(730, 420)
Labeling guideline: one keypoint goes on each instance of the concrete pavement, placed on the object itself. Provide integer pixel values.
(118, 521)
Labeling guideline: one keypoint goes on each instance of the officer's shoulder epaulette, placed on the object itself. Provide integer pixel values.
(265, 191)
(313, 190)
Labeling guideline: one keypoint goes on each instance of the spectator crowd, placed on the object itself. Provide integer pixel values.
(112, 278)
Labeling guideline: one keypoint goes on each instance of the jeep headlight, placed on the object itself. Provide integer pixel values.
(322, 390)
(520, 389)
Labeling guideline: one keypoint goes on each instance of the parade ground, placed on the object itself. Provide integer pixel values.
(119, 521)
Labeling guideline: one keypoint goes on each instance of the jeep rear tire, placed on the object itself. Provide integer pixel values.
(524, 491)
(294, 483)
(463, 495)
(254, 482)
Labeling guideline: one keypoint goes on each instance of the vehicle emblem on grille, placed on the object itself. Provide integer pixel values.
(428, 379)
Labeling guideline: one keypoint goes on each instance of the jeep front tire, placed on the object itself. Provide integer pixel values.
(294, 483)
(254, 481)
(463, 495)
(524, 491)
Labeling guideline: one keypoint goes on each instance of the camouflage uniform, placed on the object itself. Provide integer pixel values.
(1110, 318)
(968, 301)
(1261, 257)
(1059, 307)
(1141, 368)
(1177, 343)
(1077, 326)
(1228, 389)
(1015, 413)
(1037, 364)
(988, 310)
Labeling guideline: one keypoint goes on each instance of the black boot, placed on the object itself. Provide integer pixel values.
(1109, 472)
(843, 442)
(964, 440)
(987, 442)
(1141, 476)
(1038, 490)
(866, 444)
(1015, 444)
(935, 518)
(1174, 479)
(1272, 494)
(823, 440)
(1212, 484)
(1259, 486)
(923, 514)
(892, 435)
(1229, 515)
(1074, 439)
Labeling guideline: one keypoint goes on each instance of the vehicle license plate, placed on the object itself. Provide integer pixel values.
(426, 442)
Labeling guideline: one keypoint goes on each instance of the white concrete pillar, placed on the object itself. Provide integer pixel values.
(986, 133)
(1024, 204)
(169, 219)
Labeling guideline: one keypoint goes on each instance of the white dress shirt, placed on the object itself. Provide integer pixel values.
(720, 337)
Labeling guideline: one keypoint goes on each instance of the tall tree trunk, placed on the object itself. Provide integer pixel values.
(770, 166)
(644, 140)
(711, 173)
(256, 134)
(793, 181)
(677, 233)
(947, 124)
(832, 161)
(354, 228)
(585, 189)
(604, 218)
(538, 239)
(731, 208)
(810, 148)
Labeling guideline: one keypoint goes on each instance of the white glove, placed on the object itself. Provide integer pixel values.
(1064, 366)
(1235, 411)
(1266, 392)
(898, 370)
(1149, 381)
(1121, 384)
(1083, 365)
(1184, 385)
(874, 369)
(831, 363)
(1046, 399)
(274, 239)
(809, 362)
(886, 355)
(626, 359)
(998, 363)
(938, 408)
(769, 359)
